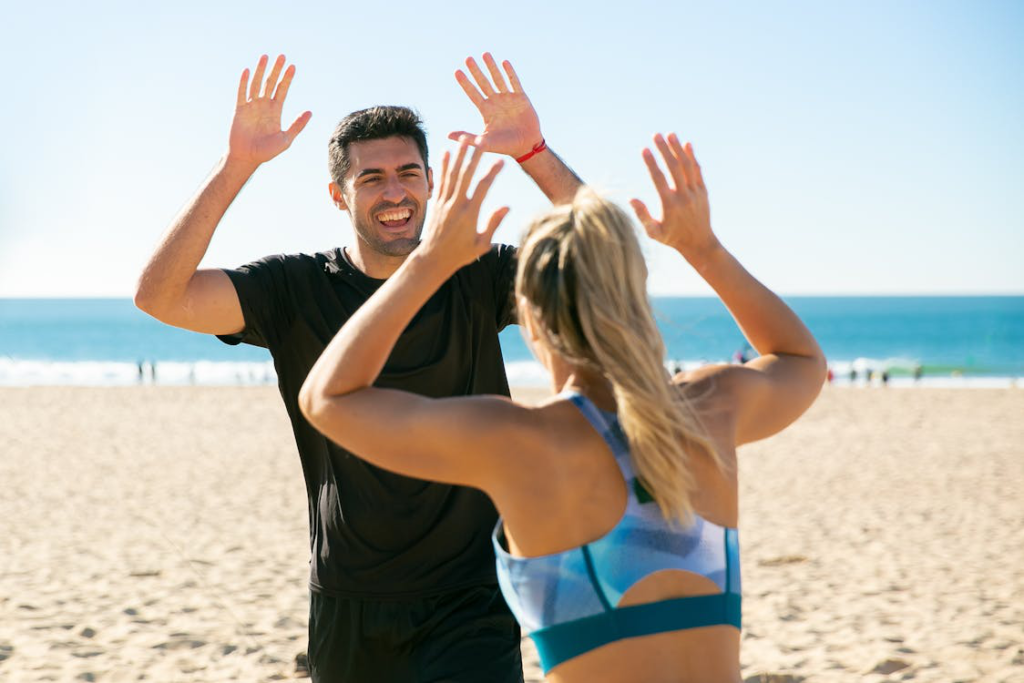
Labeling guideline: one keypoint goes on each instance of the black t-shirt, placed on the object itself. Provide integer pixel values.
(374, 533)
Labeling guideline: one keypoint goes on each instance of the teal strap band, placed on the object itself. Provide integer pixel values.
(592, 573)
(561, 642)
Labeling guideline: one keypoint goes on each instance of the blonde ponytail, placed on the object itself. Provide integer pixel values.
(583, 275)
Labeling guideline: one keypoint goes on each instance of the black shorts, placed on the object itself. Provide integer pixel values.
(464, 636)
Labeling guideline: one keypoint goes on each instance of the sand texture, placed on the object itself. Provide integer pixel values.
(161, 534)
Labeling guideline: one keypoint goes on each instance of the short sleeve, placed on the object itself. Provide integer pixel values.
(502, 259)
(263, 293)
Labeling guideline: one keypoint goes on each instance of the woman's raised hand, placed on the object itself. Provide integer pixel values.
(685, 224)
(452, 236)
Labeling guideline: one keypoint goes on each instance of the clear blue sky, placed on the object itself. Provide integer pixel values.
(866, 148)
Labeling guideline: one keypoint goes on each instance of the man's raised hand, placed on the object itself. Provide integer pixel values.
(256, 134)
(511, 125)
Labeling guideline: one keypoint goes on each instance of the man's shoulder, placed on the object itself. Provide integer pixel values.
(499, 258)
(295, 262)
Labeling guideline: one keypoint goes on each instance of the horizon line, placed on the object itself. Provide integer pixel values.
(851, 295)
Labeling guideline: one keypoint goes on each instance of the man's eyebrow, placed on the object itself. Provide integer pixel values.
(380, 171)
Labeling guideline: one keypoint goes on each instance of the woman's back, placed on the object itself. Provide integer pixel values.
(606, 587)
(564, 489)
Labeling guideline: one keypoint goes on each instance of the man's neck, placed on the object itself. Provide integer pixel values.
(373, 264)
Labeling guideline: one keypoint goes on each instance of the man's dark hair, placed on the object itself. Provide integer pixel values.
(374, 123)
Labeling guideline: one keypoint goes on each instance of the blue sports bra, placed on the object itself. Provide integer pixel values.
(567, 601)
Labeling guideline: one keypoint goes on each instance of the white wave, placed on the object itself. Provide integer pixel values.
(113, 373)
(530, 374)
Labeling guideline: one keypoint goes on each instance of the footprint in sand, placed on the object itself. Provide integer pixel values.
(890, 666)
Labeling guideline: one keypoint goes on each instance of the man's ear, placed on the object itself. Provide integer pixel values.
(430, 183)
(336, 195)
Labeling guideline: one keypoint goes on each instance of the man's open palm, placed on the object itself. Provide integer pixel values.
(511, 125)
(256, 134)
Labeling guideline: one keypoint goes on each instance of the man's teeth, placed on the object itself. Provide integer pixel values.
(399, 215)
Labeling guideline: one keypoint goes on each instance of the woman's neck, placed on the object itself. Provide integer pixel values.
(591, 384)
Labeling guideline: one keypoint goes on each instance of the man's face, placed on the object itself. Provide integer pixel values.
(385, 192)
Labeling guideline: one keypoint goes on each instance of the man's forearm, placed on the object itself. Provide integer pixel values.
(165, 278)
(554, 178)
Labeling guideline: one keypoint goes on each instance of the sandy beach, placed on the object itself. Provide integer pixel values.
(160, 533)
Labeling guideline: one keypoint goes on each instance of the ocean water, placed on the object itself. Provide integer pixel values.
(958, 341)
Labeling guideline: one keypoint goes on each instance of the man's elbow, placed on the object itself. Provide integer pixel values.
(146, 299)
(147, 306)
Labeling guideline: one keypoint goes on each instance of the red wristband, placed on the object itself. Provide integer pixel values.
(537, 149)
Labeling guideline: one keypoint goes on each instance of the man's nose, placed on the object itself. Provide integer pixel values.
(393, 190)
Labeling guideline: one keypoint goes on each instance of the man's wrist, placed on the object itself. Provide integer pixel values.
(534, 151)
(234, 166)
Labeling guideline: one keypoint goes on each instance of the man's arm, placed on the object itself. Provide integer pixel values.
(512, 127)
(171, 288)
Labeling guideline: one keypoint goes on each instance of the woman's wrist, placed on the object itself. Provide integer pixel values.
(705, 256)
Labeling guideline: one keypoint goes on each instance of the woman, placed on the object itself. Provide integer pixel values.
(618, 547)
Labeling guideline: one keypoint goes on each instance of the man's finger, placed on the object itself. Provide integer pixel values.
(457, 135)
(286, 82)
(243, 87)
(492, 66)
(481, 80)
(297, 125)
(257, 78)
(469, 88)
(657, 176)
(484, 186)
(275, 72)
(512, 77)
(492, 226)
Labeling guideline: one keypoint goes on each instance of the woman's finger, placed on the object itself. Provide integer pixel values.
(492, 225)
(660, 184)
(651, 226)
(484, 186)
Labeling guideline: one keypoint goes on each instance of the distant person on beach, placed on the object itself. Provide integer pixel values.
(618, 550)
(402, 578)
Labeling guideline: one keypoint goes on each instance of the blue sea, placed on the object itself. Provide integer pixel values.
(948, 341)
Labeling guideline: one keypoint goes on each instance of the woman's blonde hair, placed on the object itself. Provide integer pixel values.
(584, 279)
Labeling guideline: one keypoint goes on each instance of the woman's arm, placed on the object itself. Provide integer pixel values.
(768, 392)
(403, 432)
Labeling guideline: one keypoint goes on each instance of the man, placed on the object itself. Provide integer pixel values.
(402, 582)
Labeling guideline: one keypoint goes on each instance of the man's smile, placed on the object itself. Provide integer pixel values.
(394, 219)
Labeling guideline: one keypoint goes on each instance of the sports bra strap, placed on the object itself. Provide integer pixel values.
(561, 642)
(597, 420)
